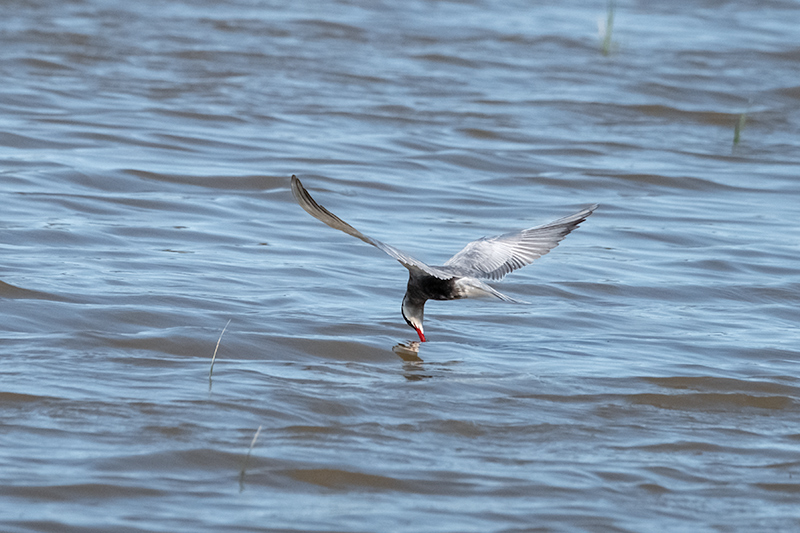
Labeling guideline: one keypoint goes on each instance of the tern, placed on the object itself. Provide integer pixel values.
(489, 258)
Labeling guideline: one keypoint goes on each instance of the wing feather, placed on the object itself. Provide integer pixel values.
(494, 257)
(305, 200)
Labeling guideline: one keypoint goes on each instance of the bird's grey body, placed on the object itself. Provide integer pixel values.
(460, 277)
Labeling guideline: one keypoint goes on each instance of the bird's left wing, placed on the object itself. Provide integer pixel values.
(320, 213)
(494, 257)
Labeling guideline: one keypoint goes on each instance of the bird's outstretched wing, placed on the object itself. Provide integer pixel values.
(494, 257)
(320, 213)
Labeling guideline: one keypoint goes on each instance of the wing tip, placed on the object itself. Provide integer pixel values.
(587, 210)
(297, 187)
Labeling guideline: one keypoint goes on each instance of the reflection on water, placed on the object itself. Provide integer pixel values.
(408, 351)
(413, 366)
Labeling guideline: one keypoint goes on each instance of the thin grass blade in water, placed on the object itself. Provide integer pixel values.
(737, 129)
(214, 357)
(247, 458)
(608, 30)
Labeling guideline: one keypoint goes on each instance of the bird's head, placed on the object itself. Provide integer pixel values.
(412, 313)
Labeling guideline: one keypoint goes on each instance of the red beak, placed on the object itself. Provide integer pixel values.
(421, 335)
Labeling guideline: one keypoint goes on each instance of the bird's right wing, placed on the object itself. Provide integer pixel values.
(320, 213)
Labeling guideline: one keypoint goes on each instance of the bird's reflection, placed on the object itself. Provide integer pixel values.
(412, 363)
(408, 352)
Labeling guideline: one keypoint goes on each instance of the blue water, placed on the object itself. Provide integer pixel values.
(145, 155)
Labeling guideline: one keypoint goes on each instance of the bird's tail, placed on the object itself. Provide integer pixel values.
(474, 288)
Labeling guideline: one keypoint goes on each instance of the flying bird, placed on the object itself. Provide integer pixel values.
(489, 258)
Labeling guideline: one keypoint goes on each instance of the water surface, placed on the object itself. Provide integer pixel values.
(145, 155)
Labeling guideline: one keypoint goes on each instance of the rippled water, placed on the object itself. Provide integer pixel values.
(145, 155)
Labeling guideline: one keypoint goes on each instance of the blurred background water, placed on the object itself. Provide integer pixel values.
(145, 155)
